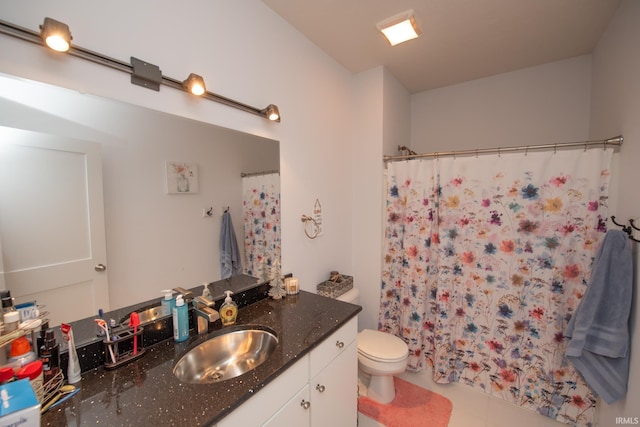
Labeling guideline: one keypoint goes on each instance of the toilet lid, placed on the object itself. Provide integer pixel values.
(381, 346)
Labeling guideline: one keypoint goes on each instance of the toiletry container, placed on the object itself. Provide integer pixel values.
(73, 367)
(180, 320)
(50, 356)
(168, 302)
(228, 310)
(20, 352)
(33, 372)
(380, 356)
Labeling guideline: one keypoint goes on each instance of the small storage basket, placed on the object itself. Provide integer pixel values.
(335, 289)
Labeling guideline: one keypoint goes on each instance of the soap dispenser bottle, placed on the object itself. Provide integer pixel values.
(168, 302)
(228, 310)
(180, 320)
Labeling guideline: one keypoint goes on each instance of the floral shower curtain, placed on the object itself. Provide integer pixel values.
(485, 261)
(261, 219)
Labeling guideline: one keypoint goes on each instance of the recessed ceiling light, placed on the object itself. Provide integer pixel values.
(400, 28)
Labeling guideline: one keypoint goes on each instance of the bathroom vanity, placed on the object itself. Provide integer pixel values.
(310, 378)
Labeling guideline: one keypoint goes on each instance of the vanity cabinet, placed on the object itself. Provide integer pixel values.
(333, 384)
(318, 390)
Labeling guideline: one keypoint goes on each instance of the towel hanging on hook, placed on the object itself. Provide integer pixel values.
(627, 228)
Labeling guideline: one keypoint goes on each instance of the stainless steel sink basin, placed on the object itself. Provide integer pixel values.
(233, 352)
(148, 314)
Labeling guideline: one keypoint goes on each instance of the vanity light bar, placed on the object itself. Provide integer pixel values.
(143, 74)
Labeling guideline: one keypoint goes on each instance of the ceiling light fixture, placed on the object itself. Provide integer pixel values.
(142, 72)
(195, 84)
(399, 28)
(56, 35)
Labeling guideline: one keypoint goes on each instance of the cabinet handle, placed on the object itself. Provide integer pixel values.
(100, 268)
(339, 344)
(305, 404)
(320, 388)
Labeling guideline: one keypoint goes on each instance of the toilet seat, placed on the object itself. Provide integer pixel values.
(381, 346)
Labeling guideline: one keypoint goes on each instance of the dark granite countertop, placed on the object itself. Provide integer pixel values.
(145, 391)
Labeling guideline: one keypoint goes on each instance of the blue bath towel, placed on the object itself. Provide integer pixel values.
(599, 329)
(230, 262)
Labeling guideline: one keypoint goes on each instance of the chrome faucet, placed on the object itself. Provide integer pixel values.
(205, 313)
(187, 295)
(203, 309)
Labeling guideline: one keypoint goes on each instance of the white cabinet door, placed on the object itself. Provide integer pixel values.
(267, 402)
(295, 413)
(52, 223)
(334, 392)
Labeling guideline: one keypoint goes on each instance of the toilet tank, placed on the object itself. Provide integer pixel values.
(351, 296)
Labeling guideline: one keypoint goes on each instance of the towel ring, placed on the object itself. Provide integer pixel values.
(315, 229)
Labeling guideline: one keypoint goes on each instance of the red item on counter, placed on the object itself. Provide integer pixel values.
(30, 370)
(6, 374)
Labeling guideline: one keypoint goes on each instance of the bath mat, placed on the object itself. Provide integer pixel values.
(412, 406)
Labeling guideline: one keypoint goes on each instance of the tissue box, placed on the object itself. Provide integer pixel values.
(335, 289)
(19, 405)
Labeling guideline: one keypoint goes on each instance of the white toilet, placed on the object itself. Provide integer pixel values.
(380, 357)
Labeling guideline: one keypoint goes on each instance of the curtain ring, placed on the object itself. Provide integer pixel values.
(315, 229)
(585, 147)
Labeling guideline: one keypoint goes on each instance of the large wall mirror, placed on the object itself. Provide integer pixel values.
(160, 185)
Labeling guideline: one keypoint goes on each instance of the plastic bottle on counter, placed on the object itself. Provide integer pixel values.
(180, 320)
(6, 374)
(20, 353)
(50, 356)
(228, 310)
(11, 322)
(33, 372)
(40, 337)
(7, 301)
(168, 302)
(73, 368)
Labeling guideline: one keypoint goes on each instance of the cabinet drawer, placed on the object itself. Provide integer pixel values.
(332, 347)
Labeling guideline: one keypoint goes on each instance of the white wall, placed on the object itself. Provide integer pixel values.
(615, 109)
(538, 105)
(382, 111)
(244, 51)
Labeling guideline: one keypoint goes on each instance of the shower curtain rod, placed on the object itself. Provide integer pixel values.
(244, 175)
(616, 141)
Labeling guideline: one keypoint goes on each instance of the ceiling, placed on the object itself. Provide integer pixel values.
(462, 40)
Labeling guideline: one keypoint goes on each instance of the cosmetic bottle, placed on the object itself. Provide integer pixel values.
(20, 352)
(40, 338)
(50, 356)
(7, 301)
(168, 302)
(11, 321)
(180, 320)
(228, 310)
